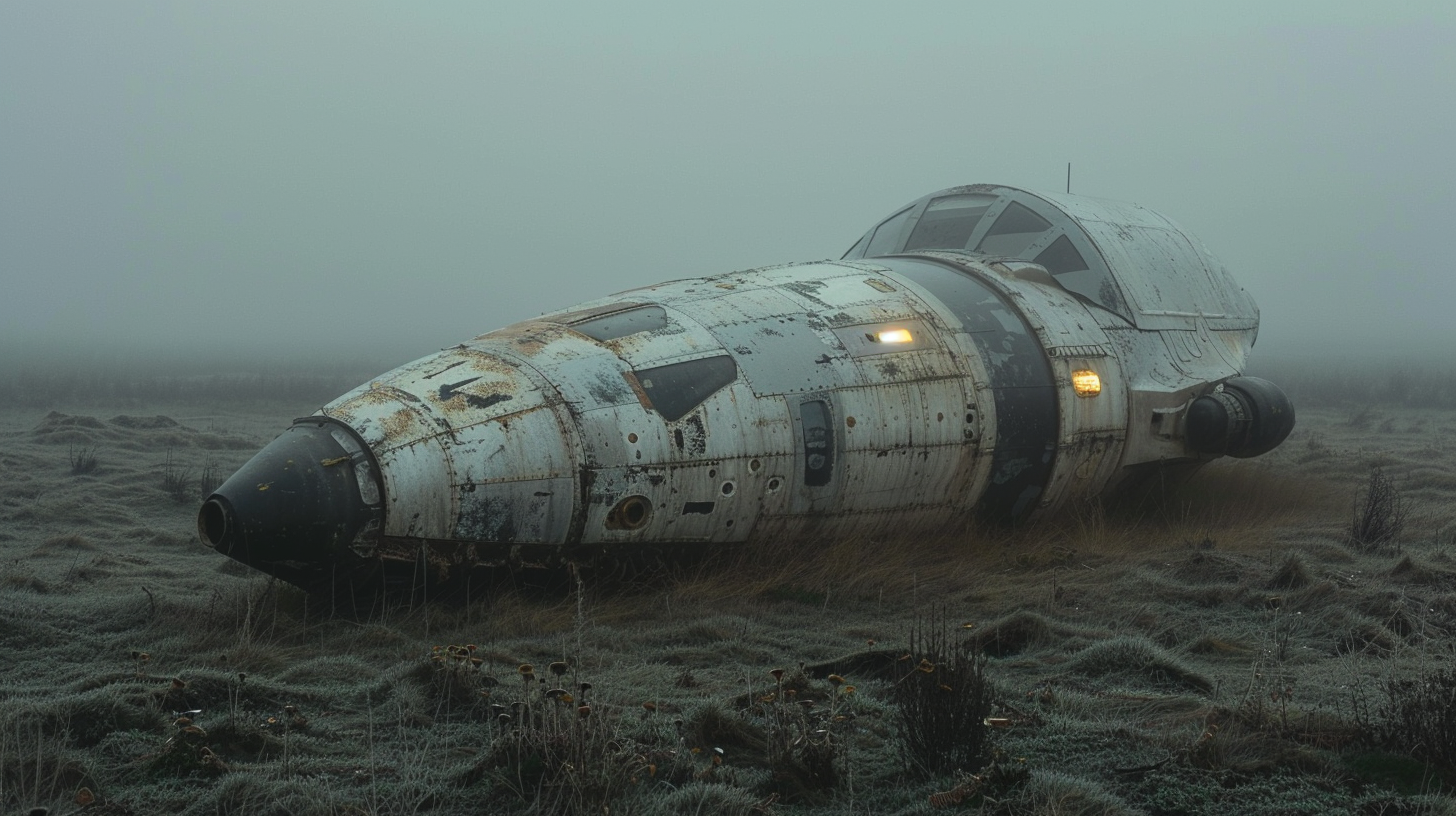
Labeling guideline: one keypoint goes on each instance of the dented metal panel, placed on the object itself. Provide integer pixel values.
(785, 355)
(517, 511)
(905, 434)
(585, 373)
(692, 471)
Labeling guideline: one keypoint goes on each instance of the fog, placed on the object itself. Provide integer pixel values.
(313, 181)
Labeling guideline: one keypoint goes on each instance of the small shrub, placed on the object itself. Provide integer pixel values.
(806, 733)
(456, 681)
(208, 480)
(553, 749)
(177, 481)
(1362, 418)
(1418, 719)
(943, 700)
(1379, 514)
(83, 460)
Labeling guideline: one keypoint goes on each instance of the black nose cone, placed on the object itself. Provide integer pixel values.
(307, 508)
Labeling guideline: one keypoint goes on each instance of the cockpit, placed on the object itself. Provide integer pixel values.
(1000, 222)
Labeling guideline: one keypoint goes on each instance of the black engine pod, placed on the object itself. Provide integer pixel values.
(1249, 416)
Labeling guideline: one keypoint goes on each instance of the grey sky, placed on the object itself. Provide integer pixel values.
(277, 175)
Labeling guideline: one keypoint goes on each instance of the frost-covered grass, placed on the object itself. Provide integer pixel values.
(1216, 648)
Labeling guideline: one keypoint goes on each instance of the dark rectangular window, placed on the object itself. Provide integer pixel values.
(887, 236)
(621, 324)
(1015, 229)
(677, 388)
(949, 222)
(818, 433)
(1061, 257)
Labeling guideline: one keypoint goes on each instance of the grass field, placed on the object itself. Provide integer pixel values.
(1220, 646)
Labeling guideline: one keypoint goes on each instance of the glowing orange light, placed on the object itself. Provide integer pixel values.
(1086, 383)
(893, 336)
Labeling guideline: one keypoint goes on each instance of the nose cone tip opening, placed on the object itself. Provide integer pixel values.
(214, 522)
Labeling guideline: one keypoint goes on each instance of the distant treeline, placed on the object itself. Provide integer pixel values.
(1332, 383)
(119, 387)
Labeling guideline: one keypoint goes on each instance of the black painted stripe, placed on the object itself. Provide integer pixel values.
(1021, 382)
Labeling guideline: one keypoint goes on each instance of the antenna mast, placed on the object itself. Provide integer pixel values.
(1069, 178)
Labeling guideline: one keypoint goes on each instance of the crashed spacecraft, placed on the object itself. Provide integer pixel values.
(984, 351)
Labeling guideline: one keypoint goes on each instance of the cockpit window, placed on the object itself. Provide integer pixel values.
(1072, 271)
(948, 222)
(620, 324)
(1061, 257)
(887, 235)
(1016, 229)
(677, 388)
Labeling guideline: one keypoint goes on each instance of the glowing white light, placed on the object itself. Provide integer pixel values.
(893, 336)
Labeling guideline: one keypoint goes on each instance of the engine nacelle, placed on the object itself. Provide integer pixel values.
(1244, 417)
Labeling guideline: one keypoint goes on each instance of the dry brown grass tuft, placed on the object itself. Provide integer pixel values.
(517, 614)
(1292, 574)
(850, 570)
(1231, 506)
(1237, 502)
(37, 767)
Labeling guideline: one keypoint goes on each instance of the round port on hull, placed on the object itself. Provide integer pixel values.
(631, 513)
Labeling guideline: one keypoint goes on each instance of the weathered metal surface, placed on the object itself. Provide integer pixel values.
(786, 355)
(1021, 383)
(867, 396)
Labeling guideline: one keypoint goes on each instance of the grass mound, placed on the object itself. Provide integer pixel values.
(1135, 659)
